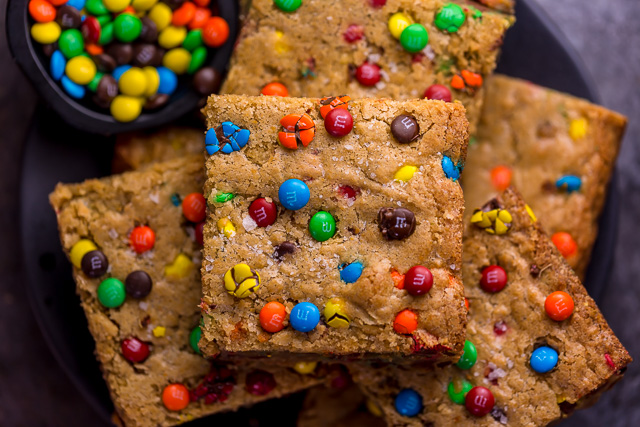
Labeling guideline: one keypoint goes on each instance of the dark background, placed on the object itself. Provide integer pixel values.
(35, 392)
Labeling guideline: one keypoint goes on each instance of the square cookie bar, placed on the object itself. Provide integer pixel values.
(537, 346)
(310, 221)
(398, 50)
(558, 150)
(132, 240)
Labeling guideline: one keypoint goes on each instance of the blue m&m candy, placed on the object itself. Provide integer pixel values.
(304, 317)
(77, 4)
(57, 65)
(408, 403)
(569, 183)
(543, 359)
(450, 169)
(294, 194)
(349, 273)
(73, 89)
(168, 81)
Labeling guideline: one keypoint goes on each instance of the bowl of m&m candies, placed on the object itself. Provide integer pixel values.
(109, 66)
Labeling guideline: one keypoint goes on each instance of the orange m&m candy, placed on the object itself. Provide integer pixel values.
(275, 89)
(501, 177)
(406, 322)
(142, 239)
(200, 17)
(194, 207)
(183, 15)
(457, 82)
(565, 243)
(471, 79)
(272, 316)
(175, 397)
(559, 306)
(398, 279)
(215, 32)
(42, 10)
(58, 2)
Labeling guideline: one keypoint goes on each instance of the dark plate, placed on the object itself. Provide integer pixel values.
(534, 50)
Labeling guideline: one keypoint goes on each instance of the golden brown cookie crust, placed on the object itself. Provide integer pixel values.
(104, 211)
(366, 159)
(527, 128)
(590, 356)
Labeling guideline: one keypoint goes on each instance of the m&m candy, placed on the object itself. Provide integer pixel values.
(275, 89)
(414, 38)
(294, 194)
(322, 226)
(559, 306)
(338, 122)
(565, 243)
(304, 317)
(194, 207)
(111, 293)
(142, 239)
(134, 350)
(272, 316)
(194, 339)
(175, 397)
(469, 356)
(479, 401)
(493, 279)
(406, 322)
(418, 280)
(93, 37)
(263, 212)
(543, 359)
(457, 390)
(408, 403)
(349, 273)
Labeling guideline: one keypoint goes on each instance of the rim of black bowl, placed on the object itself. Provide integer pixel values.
(185, 99)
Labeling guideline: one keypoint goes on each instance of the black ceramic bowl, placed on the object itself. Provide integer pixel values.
(85, 115)
(534, 50)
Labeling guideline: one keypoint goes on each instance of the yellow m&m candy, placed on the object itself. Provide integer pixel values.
(133, 82)
(153, 81)
(241, 281)
(79, 250)
(177, 60)
(81, 70)
(397, 23)
(161, 15)
(45, 32)
(126, 108)
(172, 37)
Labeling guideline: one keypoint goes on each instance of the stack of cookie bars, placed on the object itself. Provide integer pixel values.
(309, 235)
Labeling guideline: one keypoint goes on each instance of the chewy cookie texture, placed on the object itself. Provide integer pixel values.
(558, 150)
(134, 250)
(319, 281)
(331, 47)
(538, 347)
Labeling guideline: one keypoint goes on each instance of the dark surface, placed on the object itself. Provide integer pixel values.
(36, 392)
(84, 114)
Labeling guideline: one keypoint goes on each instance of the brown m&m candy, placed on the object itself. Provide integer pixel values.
(207, 80)
(396, 223)
(405, 128)
(138, 284)
(121, 52)
(94, 264)
(144, 54)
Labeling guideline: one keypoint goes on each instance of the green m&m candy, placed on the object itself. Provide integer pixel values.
(450, 18)
(322, 226)
(288, 5)
(194, 339)
(198, 57)
(469, 356)
(456, 393)
(93, 84)
(414, 38)
(224, 197)
(193, 40)
(111, 293)
(71, 43)
(127, 27)
(96, 7)
(106, 35)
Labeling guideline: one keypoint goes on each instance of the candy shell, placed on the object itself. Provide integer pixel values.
(45, 32)
(294, 194)
(304, 317)
(168, 81)
(125, 108)
(73, 89)
(57, 65)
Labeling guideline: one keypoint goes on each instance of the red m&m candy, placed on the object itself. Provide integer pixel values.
(418, 280)
(479, 401)
(354, 33)
(194, 207)
(338, 122)
(494, 278)
(134, 350)
(263, 212)
(142, 239)
(368, 74)
(439, 92)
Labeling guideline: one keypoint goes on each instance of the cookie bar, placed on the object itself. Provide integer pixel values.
(135, 150)
(344, 406)
(537, 346)
(559, 151)
(506, 6)
(306, 231)
(136, 265)
(331, 47)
